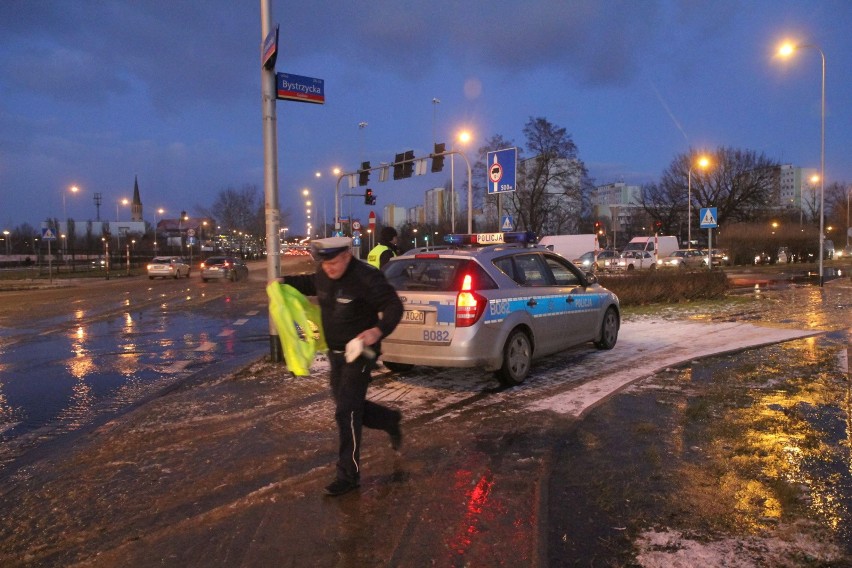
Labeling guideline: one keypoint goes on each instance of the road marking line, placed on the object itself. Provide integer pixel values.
(240, 321)
(226, 333)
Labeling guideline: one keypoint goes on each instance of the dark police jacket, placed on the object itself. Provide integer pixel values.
(353, 303)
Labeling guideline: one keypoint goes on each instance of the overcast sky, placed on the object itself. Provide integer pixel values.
(95, 93)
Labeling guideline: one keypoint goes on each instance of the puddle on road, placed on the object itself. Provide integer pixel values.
(744, 455)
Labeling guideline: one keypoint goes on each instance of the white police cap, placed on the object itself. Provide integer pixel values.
(326, 249)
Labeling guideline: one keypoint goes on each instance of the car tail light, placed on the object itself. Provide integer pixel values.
(469, 305)
(202, 265)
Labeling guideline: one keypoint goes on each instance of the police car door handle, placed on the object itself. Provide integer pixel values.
(532, 302)
(569, 299)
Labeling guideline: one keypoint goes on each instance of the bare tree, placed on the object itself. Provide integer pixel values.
(739, 183)
(240, 209)
(549, 196)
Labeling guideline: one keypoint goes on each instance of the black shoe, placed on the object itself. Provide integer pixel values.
(340, 487)
(396, 435)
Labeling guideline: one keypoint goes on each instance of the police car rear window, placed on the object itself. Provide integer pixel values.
(436, 274)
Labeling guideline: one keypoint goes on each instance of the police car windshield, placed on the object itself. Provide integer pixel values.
(436, 274)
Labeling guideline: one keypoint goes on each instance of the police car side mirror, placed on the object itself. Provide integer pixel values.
(591, 279)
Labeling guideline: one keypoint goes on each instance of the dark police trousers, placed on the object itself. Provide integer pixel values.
(349, 383)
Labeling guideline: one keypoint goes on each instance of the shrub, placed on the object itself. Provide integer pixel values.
(643, 287)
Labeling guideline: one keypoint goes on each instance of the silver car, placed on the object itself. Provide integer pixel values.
(168, 267)
(496, 305)
(224, 268)
(685, 258)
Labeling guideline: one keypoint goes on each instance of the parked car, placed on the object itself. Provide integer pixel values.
(721, 257)
(685, 258)
(224, 268)
(591, 261)
(168, 267)
(633, 260)
(496, 306)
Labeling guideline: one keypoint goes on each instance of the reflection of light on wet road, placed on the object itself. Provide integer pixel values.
(784, 440)
(476, 499)
(54, 383)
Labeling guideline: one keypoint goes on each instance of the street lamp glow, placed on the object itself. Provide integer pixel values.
(786, 49)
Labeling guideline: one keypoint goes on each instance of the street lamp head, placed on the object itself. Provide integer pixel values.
(464, 136)
(703, 162)
(74, 189)
(787, 48)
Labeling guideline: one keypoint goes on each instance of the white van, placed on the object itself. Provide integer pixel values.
(570, 246)
(639, 252)
(665, 245)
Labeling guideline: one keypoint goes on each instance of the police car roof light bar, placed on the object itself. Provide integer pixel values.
(482, 239)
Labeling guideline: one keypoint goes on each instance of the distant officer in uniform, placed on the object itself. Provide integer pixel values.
(386, 249)
(359, 307)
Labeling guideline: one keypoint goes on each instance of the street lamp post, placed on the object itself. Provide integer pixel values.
(787, 50)
(848, 191)
(72, 189)
(703, 162)
(157, 212)
(464, 138)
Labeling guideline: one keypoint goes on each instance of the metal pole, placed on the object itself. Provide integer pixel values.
(270, 176)
(689, 208)
(453, 190)
(822, 175)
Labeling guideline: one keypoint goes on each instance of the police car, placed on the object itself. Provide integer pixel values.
(495, 301)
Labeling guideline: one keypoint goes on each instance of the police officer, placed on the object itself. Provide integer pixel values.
(359, 307)
(386, 249)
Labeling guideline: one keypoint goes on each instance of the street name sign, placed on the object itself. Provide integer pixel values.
(298, 88)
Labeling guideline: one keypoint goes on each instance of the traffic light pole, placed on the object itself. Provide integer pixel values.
(359, 172)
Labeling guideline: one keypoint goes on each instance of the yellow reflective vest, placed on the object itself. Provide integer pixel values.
(376, 254)
(299, 325)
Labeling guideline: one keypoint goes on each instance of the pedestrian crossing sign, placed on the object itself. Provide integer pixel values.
(708, 218)
(507, 224)
(47, 234)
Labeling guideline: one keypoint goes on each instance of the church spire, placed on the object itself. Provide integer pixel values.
(136, 206)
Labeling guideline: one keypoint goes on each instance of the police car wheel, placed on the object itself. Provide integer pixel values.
(397, 367)
(517, 356)
(609, 330)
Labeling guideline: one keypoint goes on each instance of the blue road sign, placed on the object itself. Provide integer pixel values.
(708, 218)
(507, 224)
(47, 234)
(297, 88)
(502, 167)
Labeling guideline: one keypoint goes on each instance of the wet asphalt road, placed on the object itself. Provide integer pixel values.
(228, 469)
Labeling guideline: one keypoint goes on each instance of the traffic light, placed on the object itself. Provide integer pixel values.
(408, 164)
(438, 158)
(369, 198)
(364, 173)
(397, 166)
